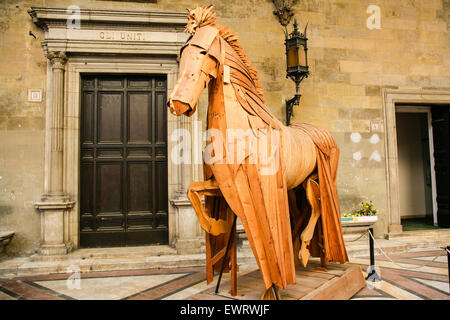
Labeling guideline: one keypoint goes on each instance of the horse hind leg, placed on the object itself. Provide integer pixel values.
(313, 196)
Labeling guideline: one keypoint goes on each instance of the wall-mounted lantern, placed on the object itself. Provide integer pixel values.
(296, 64)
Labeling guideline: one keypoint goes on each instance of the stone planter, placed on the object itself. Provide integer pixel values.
(352, 227)
(360, 221)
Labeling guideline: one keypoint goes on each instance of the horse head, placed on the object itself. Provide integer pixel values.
(200, 61)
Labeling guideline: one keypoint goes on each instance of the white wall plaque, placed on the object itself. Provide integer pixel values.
(34, 95)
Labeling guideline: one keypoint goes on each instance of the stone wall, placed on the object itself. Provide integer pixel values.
(349, 64)
(22, 126)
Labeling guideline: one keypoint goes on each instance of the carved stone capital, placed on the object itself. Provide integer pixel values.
(57, 58)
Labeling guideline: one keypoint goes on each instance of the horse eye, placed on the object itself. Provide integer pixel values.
(203, 52)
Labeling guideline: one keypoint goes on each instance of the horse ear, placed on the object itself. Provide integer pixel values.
(188, 10)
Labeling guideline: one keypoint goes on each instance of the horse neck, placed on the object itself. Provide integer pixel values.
(240, 77)
(254, 104)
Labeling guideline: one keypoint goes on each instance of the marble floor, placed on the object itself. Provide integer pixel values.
(417, 275)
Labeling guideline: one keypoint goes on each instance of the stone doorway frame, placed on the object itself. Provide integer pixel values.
(390, 98)
(121, 42)
(75, 68)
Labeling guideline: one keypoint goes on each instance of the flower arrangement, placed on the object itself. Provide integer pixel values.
(366, 208)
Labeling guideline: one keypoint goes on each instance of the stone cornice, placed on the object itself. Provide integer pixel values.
(44, 17)
(111, 32)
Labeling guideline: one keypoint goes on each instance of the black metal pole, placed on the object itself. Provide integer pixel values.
(275, 294)
(372, 274)
(372, 249)
(448, 263)
(226, 253)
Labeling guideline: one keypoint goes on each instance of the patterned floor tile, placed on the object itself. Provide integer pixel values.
(414, 275)
(418, 275)
(132, 284)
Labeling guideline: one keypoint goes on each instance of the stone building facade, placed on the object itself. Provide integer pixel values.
(364, 65)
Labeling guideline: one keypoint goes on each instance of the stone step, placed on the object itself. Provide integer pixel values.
(111, 253)
(435, 233)
(361, 247)
(26, 266)
(124, 252)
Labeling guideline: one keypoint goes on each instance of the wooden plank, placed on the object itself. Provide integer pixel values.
(309, 282)
(310, 285)
(294, 292)
(317, 274)
(340, 288)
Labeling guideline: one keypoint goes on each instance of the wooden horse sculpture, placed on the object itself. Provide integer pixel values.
(281, 185)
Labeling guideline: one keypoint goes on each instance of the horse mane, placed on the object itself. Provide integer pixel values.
(205, 16)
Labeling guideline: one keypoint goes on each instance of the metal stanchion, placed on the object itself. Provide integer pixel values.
(372, 273)
(448, 263)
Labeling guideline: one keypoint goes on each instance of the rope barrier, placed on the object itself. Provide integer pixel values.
(402, 267)
(358, 237)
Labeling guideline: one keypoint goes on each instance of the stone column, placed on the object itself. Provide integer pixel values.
(55, 187)
(54, 203)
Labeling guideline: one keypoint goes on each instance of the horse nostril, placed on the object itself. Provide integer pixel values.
(203, 52)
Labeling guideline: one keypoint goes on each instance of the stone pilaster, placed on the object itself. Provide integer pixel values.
(56, 125)
(55, 203)
(190, 237)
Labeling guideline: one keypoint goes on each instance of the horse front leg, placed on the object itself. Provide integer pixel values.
(313, 196)
(206, 188)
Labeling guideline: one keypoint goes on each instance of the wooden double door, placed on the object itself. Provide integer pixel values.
(123, 161)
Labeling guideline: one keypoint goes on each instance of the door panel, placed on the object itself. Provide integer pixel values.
(123, 156)
(441, 138)
(109, 187)
(109, 119)
(139, 118)
(87, 132)
(139, 183)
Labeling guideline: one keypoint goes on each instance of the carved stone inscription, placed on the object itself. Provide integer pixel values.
(122, 35)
